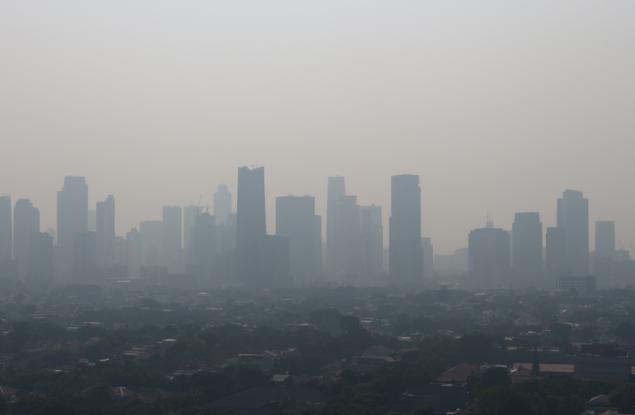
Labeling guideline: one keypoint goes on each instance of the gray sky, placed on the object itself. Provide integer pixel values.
(498, 105)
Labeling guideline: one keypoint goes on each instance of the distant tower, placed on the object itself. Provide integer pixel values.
(573, 219)
(296, 220)
(406, 264)
(27, 228)
(6, 230)
(72, 221)
(527, 248)
(251, 226)
(105, 233)
(372, 242)
(222, 205)
(489, 253)
(604, 240)
(334, 228)
(173, 238)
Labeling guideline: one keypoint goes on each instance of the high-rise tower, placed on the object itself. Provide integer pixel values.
(573, 219)
(72, 221)
(406, 264)
(251, 226)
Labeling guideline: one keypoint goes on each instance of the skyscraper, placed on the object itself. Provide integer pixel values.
(225, 220)
(527, 249)
(105, 233)
(251, 227)
(72, 221)
(334, 239)
(406, 264)
(6, 230)
(343, 244)
(372, 242)
(296, 220)
(203, 245)
(26, 229)
(173, 239)
(573, 219)
(605, 262)
(222, 205)
(489, 257)
(604, 240)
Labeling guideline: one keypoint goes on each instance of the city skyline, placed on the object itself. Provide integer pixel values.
(226, 191)
(496, 106)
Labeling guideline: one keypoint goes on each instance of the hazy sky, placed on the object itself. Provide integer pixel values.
(498, 105)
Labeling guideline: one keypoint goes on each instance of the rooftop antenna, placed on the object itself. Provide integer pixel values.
(489, 223)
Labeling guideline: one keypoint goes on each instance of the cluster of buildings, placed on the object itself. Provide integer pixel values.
(232, 246)
(226, 246)
(498, 258)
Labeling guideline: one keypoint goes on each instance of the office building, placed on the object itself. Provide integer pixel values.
(372, 242)
(105, 233)
(406, 263)
(296, 220)
(489, 258)
(72, 221)
(604, 240)
(26, 229)
(251, 228)
(527, 250)
(573, 219)
(222, 205)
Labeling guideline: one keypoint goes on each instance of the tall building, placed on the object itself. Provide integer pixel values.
(606, 264)
(343, 244)
(527, 249)
(190, 213)
(334, 239)
(203, 245)
(251, 227)
(6, 230)
(372, 242)
(489, 258)
(573, 219)
(296, 220)
(604, 240)
(26, 229)
(105, 233)
(428, 258)
(173, 239)
(406, 264)
(225, 221)
(222, 205)
(72, 221)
